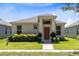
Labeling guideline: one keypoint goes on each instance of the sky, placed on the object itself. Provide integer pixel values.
(16, 11)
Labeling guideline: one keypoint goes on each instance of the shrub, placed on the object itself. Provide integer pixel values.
(53, 35)
(23, 37)
(56, 40)
(39, 37)
(77, 37)
(32, 37)
(10, 38)
(62, 39)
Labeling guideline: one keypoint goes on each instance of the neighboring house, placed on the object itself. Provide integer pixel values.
(5, 29)
(72, 30)
(44, 24)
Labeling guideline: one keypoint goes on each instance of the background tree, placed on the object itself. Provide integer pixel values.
(71, 6)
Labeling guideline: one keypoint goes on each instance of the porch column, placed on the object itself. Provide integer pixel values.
(62, 30)
(41, 28)
(53, 26)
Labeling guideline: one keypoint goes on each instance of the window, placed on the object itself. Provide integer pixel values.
(19, 29)
(67, 32)
(5, 30)
(46, 22)
(77, 31)
(35, 26)
(58, 30)
(10, 31)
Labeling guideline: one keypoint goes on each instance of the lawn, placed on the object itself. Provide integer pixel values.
(71, 44)
(19, 45)
(39, 53)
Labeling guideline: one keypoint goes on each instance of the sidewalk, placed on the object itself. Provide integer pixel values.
(39, 50)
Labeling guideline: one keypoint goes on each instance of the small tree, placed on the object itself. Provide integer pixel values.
(6, 41)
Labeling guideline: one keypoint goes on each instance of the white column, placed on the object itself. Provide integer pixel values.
(62, 30)
(53, 26)
(41, 28)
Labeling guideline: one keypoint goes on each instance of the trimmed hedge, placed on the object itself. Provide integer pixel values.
(23, 37)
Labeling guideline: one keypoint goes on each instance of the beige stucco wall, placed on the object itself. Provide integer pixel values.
(29, 28)
(26, 28)
(14, 29)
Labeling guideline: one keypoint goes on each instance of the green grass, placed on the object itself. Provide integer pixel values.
(39, 54)
(20, 45)
(71, 44)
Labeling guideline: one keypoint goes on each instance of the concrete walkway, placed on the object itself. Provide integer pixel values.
(39, 50)
(47, 45)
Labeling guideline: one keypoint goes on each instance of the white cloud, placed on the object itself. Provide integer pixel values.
(77, 13)
(7, 9)
(69, 21)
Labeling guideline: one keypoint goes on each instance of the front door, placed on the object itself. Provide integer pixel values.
(46, 33)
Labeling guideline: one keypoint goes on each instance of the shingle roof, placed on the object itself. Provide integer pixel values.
(28, 20)
(2, 22)
(73, 24)
(47, 15)
(60, 22)
(34, 19)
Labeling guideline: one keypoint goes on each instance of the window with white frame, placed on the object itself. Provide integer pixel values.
(19, 29)
(58, 30)
(35, 26)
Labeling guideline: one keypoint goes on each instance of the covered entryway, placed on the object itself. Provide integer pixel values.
(46, 33)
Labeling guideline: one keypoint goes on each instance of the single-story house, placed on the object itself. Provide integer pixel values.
(5, 28)
(44, 24)
(72, 30)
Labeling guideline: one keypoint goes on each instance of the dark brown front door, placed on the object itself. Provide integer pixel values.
(46, 32)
